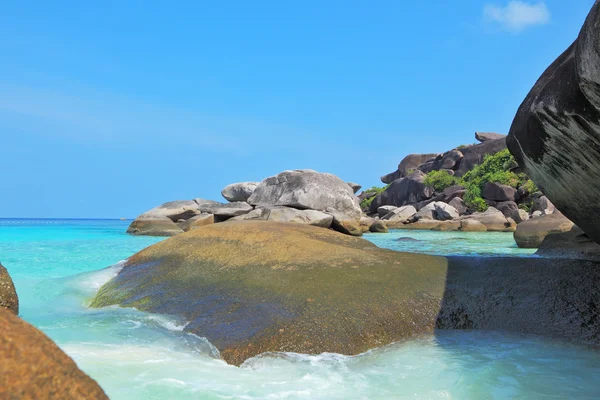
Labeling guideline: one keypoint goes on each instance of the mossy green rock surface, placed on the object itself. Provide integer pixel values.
(251, 287)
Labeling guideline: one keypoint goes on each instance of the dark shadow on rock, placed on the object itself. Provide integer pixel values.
(553, 298)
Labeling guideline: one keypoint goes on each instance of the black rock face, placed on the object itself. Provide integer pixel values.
(555, 135)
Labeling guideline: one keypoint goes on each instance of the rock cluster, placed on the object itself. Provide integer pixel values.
(299, 196)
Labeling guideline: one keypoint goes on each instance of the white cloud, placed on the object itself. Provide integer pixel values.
(517, 15)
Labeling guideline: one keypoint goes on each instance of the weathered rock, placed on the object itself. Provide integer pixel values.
(223, 211)
(427, 212)
(400, 214)
(287, 214)
(543, 204)
(307, 189)
(511, 210)
(497, 192)
(471, 225)
(555, 135)
(239, 191)
(174, 210)
(346, 226)
(459, 205)
(474, 155)
(365, 223)
(487, 136)
(354, 186)
(493, 220)
(379, 227)
(33, 367)
(536, 214)
(574, 244)
(252, 287)
(447, 226)
(453, 191)
(531, 233)
(385, 210)
(366, 195)
(405, 191)
(197, 221)
(308, 217)
(448, 161)
(148, 225)
(523, 216)
(8, 295)
(445, 212)
(409, 164)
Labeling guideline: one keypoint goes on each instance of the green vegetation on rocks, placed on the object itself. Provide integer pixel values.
(366, 203)
(440, 180)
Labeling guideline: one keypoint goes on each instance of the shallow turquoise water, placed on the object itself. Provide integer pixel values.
(58, 265)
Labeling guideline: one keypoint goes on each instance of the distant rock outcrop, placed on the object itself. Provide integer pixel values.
(555, 135)
(239, 191)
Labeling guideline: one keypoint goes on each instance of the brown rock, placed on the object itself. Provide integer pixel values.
(33, 367)
(379, 227)
(471, 225)
(8, 294)
(197, 222)
(447, 226)
(531, 233)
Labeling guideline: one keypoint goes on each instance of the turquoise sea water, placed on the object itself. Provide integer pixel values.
(57, 266)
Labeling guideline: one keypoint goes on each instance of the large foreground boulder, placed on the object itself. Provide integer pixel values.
(33, 367)
(555, 135)
(8, 295)
(531, 233)
(307, 189)
(253, 286)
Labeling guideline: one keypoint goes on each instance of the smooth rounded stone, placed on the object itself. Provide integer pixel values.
(555, 135)
(174, 210)
(400, 214)
(252, 287)
(471, 225)
(365, 223)
(402, 192)
(308, 217)
(256, 214)
(447, 226)
(493, 220)
(347, 226)
(197, 221)
(378, 227)
(145, 225)
(223, 211)
(445, 212)
(307, 189)
(523, 215)
(427, 212)
(239, 191)
(511, 210)
(409, 164)
(531, 233)
(459, 205)
(487, 136)
(354, 186)
(475, 154)
(8, 294)
(536, 214)
(543, 205)
(385, 210)
(498, 193)
(407, 239)
(33, 367)
(574, 244)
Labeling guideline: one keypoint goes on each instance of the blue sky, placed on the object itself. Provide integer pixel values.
(108, 110)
